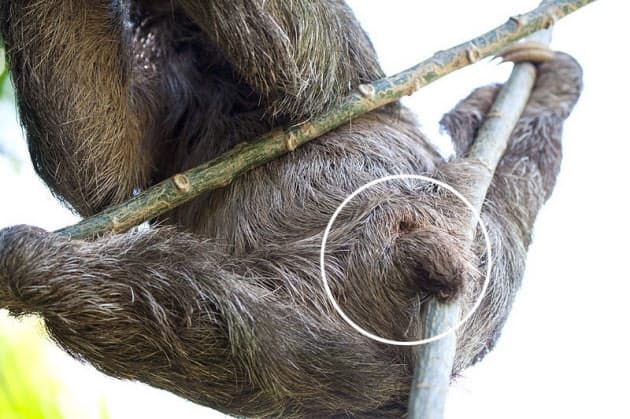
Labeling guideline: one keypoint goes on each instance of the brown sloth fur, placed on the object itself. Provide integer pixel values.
(221, 301)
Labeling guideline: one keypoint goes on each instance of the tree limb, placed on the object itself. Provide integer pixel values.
(221, 171)
(434, 364)
(434, 360)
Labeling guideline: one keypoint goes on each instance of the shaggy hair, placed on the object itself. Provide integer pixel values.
(220, 301)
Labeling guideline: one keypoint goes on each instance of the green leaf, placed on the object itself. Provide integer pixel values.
(4, 71)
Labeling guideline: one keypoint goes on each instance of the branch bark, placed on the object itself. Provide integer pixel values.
(434, 360)
(222, 170)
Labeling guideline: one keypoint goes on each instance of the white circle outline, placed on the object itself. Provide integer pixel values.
(358, 328)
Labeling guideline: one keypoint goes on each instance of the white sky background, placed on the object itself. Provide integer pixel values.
(564, 351)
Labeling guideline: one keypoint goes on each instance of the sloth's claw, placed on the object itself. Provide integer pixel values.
(529, 51)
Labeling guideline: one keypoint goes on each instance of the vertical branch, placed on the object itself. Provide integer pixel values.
(434, 362)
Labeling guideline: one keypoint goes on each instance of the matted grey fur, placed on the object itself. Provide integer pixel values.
(221, 301)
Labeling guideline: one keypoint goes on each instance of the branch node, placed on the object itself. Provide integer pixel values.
(291, 142)
(182, 183)
(116, 225)
(518, 19)
(473, 54)
(494, 114)
(550, 20)
(367, 90)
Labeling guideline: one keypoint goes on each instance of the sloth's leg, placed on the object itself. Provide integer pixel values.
(524, 179)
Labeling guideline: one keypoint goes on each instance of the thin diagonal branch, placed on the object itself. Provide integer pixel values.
(221, 171)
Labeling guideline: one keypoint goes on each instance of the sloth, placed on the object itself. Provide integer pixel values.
(220, 301)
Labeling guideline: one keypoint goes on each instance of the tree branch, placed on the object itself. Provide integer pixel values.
(434, 360)
(221, 171)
